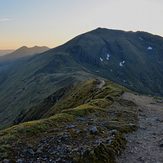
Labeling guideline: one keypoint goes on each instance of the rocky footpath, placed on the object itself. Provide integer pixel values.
(146, 144)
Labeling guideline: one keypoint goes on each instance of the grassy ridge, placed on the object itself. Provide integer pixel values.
(69, 97)
(102, 109)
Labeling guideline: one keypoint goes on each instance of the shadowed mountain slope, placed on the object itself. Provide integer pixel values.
(38, 77)
(132, 59)
(39, 49)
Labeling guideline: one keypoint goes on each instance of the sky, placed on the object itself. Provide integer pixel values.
(54, 22)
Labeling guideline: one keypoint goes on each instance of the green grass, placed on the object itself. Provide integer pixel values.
(70, 97)
(81, 100)
(4, 155)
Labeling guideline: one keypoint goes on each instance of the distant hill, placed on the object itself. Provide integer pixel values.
(131, 59)
(22, 52)
(39, 49)
(4, 52)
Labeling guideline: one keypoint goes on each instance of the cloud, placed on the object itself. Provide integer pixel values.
(2, 20)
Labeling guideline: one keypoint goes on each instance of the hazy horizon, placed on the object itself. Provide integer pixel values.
(52, 23)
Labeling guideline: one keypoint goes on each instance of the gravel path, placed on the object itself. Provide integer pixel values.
(146, 144)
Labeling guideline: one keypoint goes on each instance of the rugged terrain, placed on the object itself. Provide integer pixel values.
(101, 122)
(132, 59)
(87, 130)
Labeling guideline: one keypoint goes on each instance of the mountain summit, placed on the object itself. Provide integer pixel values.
(132, 59)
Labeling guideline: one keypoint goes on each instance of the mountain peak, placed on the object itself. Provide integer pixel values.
(23, 47)
(39, 49)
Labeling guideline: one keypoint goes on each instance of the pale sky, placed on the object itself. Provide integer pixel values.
(54, 22)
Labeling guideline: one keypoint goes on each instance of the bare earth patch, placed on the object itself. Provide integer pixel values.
(146, 144)
(101, 83)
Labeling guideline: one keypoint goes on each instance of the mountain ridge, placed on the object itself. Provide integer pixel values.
(127, 58)
(100, 121)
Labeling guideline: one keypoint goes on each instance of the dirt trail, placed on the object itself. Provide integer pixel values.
(146, 144)
(102, 82)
